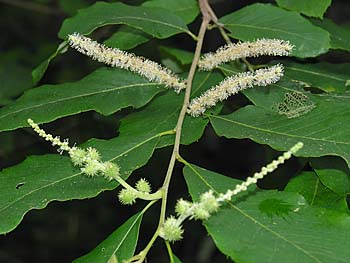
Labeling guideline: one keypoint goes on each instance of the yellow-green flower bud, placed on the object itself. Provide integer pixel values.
(182, 207)
(92, 154)
(201, 213)
(111, 171)
(92, 167)
(143, 186)
(171, 230)
(127, 196)
(209, 202)
(77, 156)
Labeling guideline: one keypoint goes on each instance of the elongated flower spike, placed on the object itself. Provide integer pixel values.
(121, 59)
(209, 203)
(230, 52)
(232, 85)
(87, 159)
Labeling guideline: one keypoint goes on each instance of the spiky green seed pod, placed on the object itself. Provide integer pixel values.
(143, 186)
(92, 168)
(209, 202)
(200, 213)
(93, 154)
(127, 196)
(171, 230)
(111, 171)
(77, 156)
(182, 207)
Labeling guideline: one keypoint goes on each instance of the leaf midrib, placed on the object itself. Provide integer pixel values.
(275, 132)
(127, 233)
(270, 29)
(76, 174)
(314, 73)
(79, 96)
(255, 220)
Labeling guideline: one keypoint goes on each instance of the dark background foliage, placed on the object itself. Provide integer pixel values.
(65, 231)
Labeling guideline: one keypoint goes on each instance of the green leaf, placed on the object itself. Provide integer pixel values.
(271, 226)
(127, 38)
(314, 8)
(316, 194)
(267, 21)
(176, 259)
(40, 70)
(121, 243)
(106, 90)
(188, 10)
(326, 76)
(42, 179)
(340, 35)
(324, 130)
(183, 56)
(157, 22)
(333, 173)
(162, 114)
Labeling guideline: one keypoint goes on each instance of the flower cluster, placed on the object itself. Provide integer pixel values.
(121, 59)
(88, 160)
(232, 85)
(128, 195)
(209, 203)
(230, 52)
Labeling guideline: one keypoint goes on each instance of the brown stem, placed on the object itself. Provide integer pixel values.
(182, 114)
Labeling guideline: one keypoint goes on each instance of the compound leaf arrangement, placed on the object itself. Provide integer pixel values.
(294, 102)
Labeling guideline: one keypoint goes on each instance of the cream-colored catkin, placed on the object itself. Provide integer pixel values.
(259, 175)
(230, 52)
(121, 59)
(233, 84)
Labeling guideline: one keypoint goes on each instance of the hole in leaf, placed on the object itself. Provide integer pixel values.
(294, 104)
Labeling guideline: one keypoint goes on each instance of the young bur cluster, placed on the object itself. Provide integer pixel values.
(209, 202)
(89, 161)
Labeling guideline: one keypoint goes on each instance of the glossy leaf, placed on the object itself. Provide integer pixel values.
(270, 226)
(333, 173)
(176, 259)
(340, 35)
(42, 179)
(314, 8)
(267, 21)
(106, 90)
(183, 56)
(162, 113)
(40, 70)
(121, 243)
(127, 38)
(188, 10)
(157, 22)
(315, 192)
(326, 76)
(323, 130)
